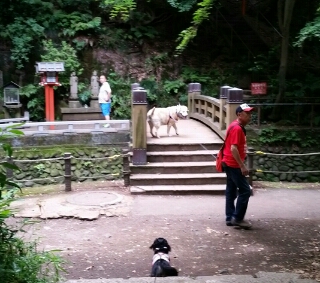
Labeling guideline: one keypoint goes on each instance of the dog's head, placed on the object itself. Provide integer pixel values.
(160, 245)
(182, 111)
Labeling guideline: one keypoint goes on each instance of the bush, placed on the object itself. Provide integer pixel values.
(20, 261)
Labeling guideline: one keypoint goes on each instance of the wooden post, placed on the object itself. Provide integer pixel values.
(67, 171)
(190, 98)
(126, 167)
(139, 131)
(51, 106)
(234, 99)
(195, 90)
(223, 100)
(47, 101)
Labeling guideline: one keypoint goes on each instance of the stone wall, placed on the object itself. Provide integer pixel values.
(95, 156)
(286, 164)
(45, 165)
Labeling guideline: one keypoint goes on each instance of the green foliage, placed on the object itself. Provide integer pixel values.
(153, 89)
(182, 6)
(210, 80)
(23, 32)
(33, 96)
(201, 14)
(121, 96)
(62, 53)
(174, 87)
(310, 31)
(70, 24)
(84, 97)
(20, 261)
(276, 136)
(120, 9)
(140, 33)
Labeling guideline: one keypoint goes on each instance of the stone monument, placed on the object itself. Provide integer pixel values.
(73, 97)
(94, 90)
(75, 111)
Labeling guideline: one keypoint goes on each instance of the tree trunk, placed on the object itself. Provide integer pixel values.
(284, 17)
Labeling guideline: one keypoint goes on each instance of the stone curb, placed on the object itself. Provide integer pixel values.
(260, 277)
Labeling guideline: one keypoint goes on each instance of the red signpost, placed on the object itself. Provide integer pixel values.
(49, 79)
(259, 89)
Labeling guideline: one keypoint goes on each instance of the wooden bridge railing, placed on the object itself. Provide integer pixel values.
(215, 113)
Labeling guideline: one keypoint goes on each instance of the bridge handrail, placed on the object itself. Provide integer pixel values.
(215, 113)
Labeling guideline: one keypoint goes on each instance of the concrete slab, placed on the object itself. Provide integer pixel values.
(260, 277)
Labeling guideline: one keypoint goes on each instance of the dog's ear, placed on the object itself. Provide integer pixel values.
(155, 242)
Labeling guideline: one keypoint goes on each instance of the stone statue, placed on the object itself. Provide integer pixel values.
(94, 85)
(73, 86)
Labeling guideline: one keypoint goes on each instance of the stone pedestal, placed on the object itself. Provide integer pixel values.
(94, 103)
(74, 104)
(12, 111)
(81, 114)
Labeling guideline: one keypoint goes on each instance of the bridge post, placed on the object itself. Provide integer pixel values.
(234, 99)
(139, 120)
(223, 100)
(193, 89)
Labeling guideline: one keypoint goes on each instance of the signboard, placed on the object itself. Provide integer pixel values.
(258, 88)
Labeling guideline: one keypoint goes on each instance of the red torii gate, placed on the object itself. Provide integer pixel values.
(49, 78)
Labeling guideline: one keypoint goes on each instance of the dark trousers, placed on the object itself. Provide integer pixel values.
(237, 188)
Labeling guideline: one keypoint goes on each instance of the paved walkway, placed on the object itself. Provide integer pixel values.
(260, 277)
(190, 132)
(266, 204)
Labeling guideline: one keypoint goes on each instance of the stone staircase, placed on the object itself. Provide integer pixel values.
(178, 168)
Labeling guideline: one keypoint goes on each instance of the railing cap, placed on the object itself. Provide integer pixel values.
(235, 95)
(224, 91)
(194, 87)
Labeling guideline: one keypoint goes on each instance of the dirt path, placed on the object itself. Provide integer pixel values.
(284, 238)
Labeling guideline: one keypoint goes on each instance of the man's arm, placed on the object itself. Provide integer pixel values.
(108, 92)
(236, 156)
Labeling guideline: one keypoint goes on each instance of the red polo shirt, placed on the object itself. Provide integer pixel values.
(237, 137)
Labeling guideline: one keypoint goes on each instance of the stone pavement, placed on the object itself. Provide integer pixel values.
(270, 203)
(260, 277)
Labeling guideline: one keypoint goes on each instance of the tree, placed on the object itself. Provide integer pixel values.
(285, 10)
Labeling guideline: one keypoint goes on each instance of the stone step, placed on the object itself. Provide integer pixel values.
(183, 147)
(258, 277)
(174, 168)
(177, 179)
(218, 189)
(182, 156)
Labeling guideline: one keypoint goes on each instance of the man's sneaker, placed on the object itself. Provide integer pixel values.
(106, 125)
(241, 224)
(228, 223)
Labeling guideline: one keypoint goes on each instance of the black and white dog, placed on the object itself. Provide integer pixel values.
(161, 261)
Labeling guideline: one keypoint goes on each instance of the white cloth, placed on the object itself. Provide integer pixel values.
(104, 93)
(160, 256)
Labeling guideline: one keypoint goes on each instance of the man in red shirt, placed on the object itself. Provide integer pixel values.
(234, 154)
